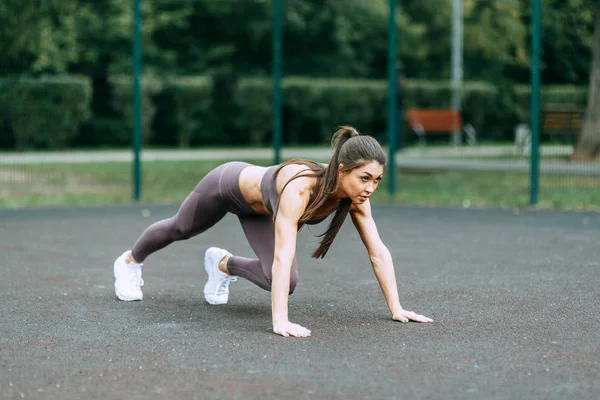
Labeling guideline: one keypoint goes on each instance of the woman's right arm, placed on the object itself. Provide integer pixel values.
(292, 204)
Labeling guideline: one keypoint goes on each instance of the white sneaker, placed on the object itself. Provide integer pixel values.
(216, 290)
(128, 279)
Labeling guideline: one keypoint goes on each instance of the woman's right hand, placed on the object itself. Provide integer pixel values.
(287, 328)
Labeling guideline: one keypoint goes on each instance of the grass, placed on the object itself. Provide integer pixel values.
(170, 182)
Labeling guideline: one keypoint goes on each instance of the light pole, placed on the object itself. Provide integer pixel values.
(457, 61)
(137, 99)
(536, 22)
(392, 110)
(277, 72)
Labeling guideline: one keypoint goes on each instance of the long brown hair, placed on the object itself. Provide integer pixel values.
(351, 150)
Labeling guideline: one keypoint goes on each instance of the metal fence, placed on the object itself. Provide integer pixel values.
(474, 59)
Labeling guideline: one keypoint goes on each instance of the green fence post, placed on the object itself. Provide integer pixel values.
(277, 72)
(137, 100)
(392, 112)
(536, 17)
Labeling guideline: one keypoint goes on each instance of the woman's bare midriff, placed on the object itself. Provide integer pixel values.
(251, 178)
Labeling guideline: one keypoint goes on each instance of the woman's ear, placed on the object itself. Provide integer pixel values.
(341, 172)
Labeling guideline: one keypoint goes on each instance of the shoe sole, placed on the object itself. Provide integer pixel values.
(125, 298)
(215, 303)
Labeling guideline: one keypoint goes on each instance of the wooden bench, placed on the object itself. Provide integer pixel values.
(438, 121)
(562, 119)
(556, 119)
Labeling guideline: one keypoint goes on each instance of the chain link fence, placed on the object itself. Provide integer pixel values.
(463, 97)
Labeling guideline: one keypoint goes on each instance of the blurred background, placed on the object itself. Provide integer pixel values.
(66, 96)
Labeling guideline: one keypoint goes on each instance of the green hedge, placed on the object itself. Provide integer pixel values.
(313, 108)
(560, 94)
(316, 107)
(123, 104)
(43, 113)
(184, 115)
(176, 111)
(183, 111)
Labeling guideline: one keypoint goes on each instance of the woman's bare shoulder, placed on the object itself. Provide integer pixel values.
(290, 171)
(293, 169)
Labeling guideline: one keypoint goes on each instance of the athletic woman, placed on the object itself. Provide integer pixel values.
(272, 204)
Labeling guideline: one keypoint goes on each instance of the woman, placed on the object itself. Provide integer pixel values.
(272, 204)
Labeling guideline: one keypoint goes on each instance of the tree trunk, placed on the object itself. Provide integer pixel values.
(588, 147)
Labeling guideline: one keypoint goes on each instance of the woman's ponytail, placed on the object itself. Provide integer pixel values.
(360, 150)
(340, 137)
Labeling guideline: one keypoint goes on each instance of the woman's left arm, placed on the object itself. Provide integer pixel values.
(382, 263)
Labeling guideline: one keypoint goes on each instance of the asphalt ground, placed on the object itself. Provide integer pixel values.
(515, 298)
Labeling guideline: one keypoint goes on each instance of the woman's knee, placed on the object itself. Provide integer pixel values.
(179, 231)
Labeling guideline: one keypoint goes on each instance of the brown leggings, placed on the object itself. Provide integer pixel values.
(215, 195)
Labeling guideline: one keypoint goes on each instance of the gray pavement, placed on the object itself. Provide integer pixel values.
(514, 296)
(448, 158)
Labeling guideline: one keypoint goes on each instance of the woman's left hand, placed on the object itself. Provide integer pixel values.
(405, 316)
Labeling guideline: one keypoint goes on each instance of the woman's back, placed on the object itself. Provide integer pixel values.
(262, 192)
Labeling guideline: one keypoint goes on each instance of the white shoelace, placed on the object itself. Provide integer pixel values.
(136, 279)
(223, 286)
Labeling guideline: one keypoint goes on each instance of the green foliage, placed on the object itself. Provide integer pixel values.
(46, 112)
(183, 112)
(341, 38)
(312, 107)
(254, 96)
(315, 107)
(318, 106)
(101, 131)
(104, 36)
(494, 38)
(180, 111)
(335, 38)
(123, 102)
(197, 37)
(567, 40)
(37, 37)
(556, 94)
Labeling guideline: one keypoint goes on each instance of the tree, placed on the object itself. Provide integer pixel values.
(588, 147)
(567, 40)
(494, 39)
(37, 37)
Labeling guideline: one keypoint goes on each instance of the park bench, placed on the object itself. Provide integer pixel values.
(562, 119)
(439, 121)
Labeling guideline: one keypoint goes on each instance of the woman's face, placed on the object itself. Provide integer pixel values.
(360, 183)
